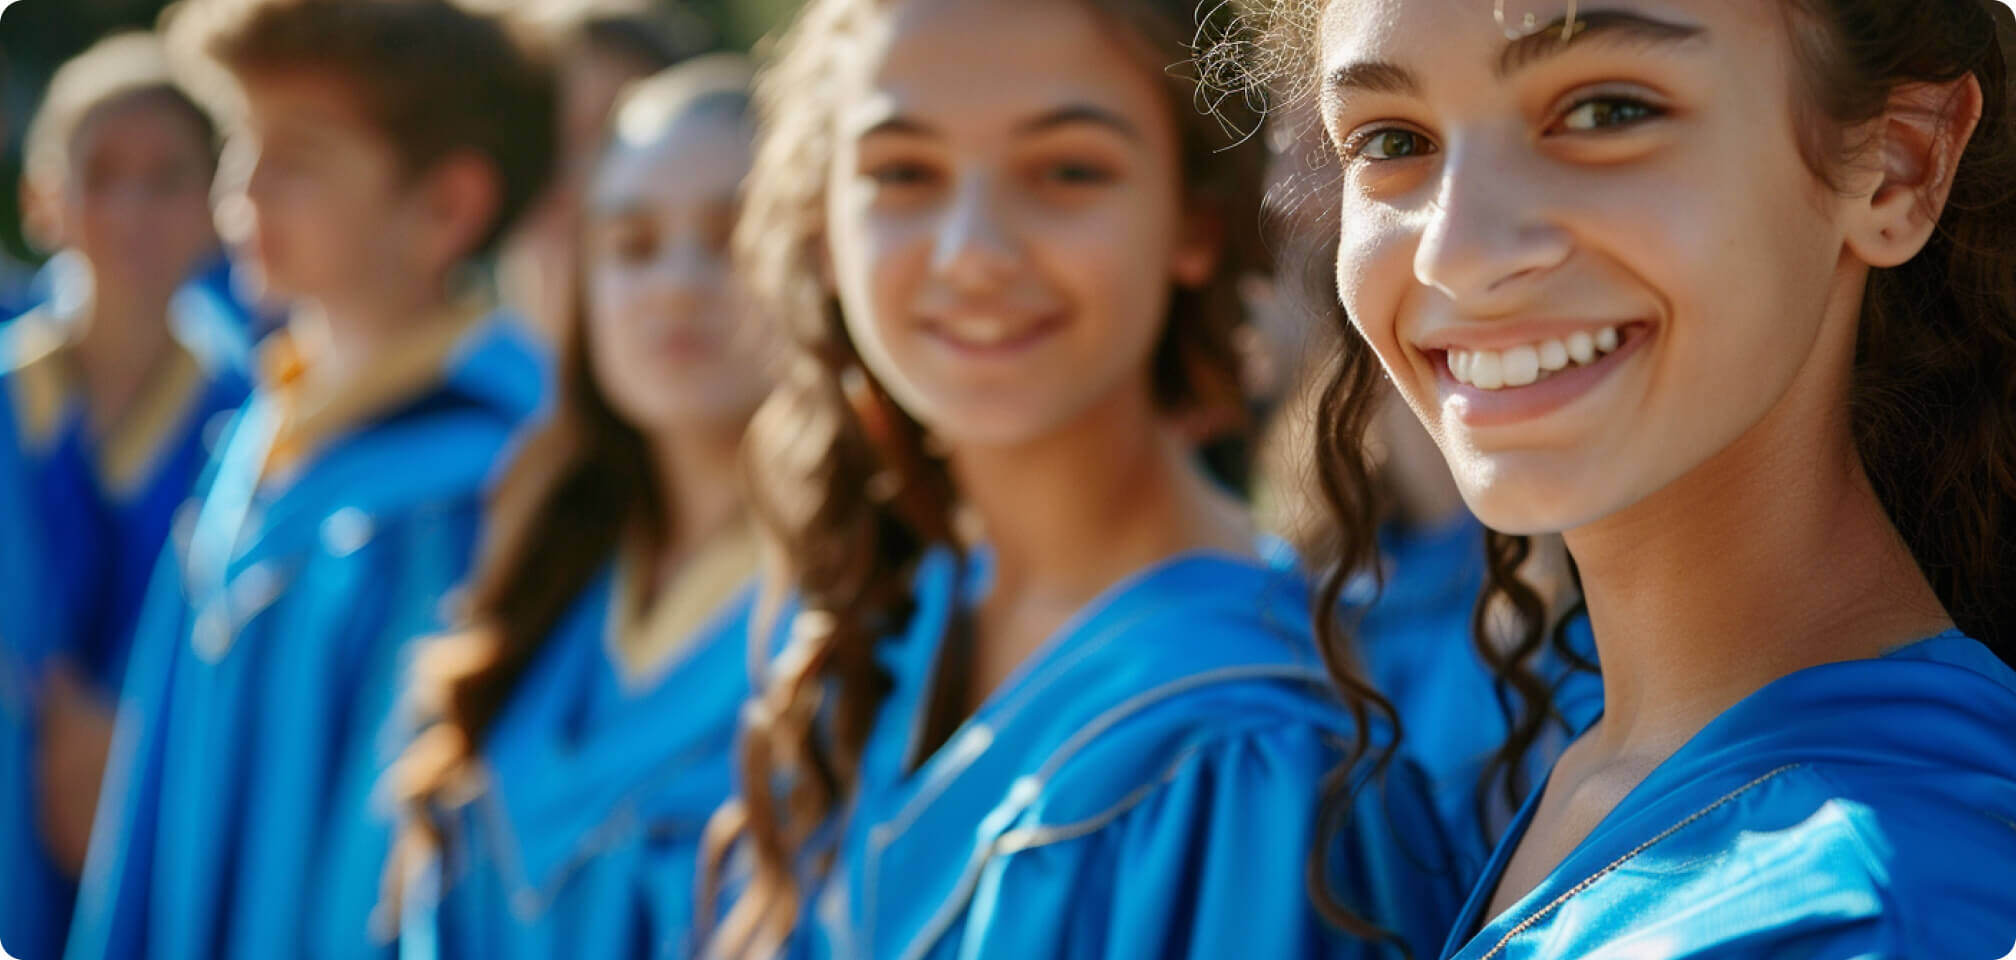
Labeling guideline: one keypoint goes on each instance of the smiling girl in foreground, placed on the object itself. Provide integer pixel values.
(1041, 695)
(1726, 291)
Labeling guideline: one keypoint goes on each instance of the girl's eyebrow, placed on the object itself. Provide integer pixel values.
(1609, 27)
(1070, 114)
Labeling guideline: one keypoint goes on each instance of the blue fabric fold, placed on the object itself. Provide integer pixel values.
(1858, 809)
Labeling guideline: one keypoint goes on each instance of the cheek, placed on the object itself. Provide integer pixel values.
(1374, 271)
(879, 266)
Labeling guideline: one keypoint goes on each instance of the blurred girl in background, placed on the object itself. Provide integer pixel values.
(1042, 696)
(585, 713)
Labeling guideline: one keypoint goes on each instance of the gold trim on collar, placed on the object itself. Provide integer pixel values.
(40, 381)
(314, 413)
(646, 636)
(47, 386)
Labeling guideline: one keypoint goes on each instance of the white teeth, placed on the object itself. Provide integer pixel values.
(1530, 363)
(1487, 370)
(1553, 355)
(1522, 366)
(1581, 347)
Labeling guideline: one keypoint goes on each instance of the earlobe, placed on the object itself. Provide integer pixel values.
(466, 195)
(1922, 137)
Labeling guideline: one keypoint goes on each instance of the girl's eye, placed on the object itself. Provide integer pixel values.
(636, 246)
(1607, 113)
(900, 175)
(1392, 143)
(1077, 174)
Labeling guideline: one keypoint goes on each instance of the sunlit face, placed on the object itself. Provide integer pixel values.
(672, 343)
(1005, 215)
(1588, 267)
(331, 210)
(135, 199)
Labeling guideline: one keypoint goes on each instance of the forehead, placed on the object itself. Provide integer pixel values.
(700, 157)
(139, 120)
(311, 99)
(978, 65)
(1478, 31)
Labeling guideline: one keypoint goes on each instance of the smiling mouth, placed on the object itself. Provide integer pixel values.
(1531, 363)
(993, 337)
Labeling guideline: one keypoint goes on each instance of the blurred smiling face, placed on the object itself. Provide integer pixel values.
(671, 340)
(1588, 266)
(1004, 215)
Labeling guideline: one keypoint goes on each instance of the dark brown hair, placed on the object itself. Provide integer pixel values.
(582, 483)
(125, 68)
(436, 79)
(842, 479)
(1933, 395)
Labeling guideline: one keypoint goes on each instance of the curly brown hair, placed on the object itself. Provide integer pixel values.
(1933, 396)
(841, 477)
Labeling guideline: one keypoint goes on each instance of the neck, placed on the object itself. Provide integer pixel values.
(1772, 557)
(697, 471)
(122, 336)
(347, 333)
(1070, 514)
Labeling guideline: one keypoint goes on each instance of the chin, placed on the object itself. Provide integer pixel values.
(1532, 502)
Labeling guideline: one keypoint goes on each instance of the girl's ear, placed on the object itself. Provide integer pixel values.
(1199, 250)
(41, 216)
(1918, 145)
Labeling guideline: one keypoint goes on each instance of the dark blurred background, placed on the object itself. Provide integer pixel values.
(36, 36)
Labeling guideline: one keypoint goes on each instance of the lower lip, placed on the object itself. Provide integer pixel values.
(1013, 346)
(685, 349)
(1495, 408)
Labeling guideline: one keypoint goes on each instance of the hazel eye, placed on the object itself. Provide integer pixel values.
(1392, 143)
(1607, 113)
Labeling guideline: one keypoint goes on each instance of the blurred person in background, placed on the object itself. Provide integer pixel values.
(585, 711)
(1048, 691)
(599, 46)
(392, 143)
(106, 409)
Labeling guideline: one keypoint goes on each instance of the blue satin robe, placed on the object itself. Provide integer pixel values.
(1144, 786)
(1854, 810)
(75, 555)
(585, 844)
(238, 817)
(1415, 640)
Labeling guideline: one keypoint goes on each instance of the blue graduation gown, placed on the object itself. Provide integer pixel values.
(1145, 786)
(585, 842)
(237, 818)
(1414, 638)
(1863, 809)
(75, 555)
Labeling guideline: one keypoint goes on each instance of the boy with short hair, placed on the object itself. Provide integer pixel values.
(106, 396)
(395, 141)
